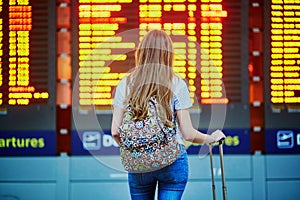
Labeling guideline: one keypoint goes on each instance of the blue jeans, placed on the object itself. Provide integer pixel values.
(171, 181)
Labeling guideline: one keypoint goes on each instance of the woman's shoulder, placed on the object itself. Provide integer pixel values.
(178, 82)
(123, 81)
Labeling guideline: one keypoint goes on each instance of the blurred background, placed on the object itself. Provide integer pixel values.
(60, 61)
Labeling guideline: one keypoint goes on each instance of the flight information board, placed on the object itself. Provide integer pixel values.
(282, 76)
(27, 77)
(210, 40)
(285, 52)
(105, 46)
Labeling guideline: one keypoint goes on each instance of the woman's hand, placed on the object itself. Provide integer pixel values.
(216, 136)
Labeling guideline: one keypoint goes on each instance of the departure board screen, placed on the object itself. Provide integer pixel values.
(210, 39)
(202, 31)
(26, 81)
(27, 77)
(282, 76)
(285, 52)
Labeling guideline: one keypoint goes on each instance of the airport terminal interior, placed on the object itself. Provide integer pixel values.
(60, 63)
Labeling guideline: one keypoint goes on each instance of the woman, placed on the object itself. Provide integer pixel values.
(153, 76)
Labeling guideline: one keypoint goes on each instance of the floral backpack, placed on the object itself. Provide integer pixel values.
(149, 144)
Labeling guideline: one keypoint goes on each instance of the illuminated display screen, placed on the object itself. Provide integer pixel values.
(203, 31)
(282, 77)
(211, 53)
(285, 52)
(23, 76)
(27, 77)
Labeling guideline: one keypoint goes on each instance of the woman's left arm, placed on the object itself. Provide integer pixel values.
(116, 123)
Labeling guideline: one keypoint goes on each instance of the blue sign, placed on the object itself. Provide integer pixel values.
(93, 143)
(27, 143)
(91, 140)
(285, 139)
(102, 143)
(282, 141)
(237, 142)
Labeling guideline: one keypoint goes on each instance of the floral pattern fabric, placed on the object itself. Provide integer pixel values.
(147, 145)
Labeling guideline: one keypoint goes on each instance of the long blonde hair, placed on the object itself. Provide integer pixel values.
(152, 76)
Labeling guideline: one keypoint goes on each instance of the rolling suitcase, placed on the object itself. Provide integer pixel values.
(224, 189)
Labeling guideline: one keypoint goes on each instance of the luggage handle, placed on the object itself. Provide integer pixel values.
(221, 141)
(224, 188)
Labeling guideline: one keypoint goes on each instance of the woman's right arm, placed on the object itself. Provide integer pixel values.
(190, 134)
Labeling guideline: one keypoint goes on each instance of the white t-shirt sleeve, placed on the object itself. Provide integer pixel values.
(181, 95)
(119, 97)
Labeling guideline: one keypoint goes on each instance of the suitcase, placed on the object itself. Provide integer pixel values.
(224, 189)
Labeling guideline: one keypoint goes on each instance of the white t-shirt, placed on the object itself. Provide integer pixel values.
(181, 97)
